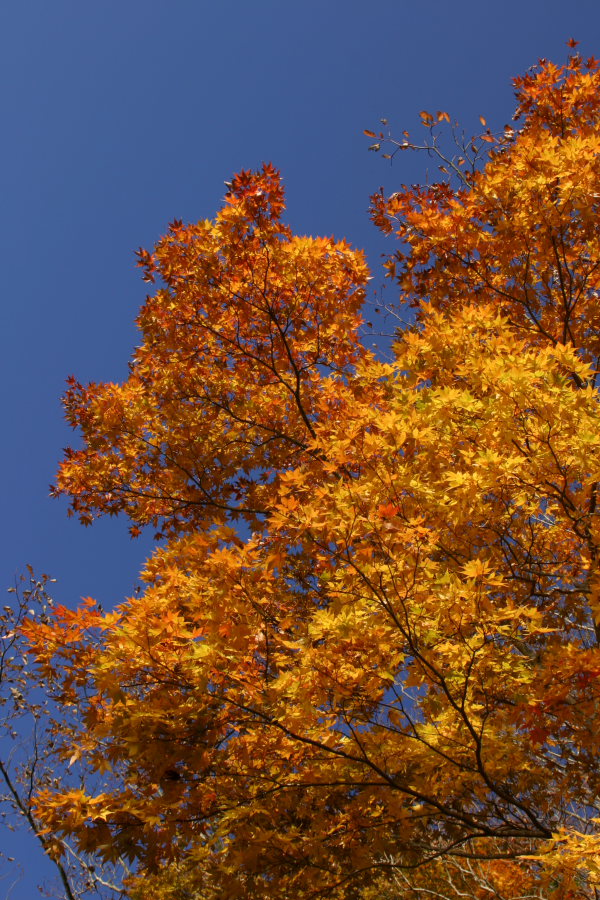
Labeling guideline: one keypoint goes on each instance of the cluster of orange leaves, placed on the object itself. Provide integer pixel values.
(365, 661)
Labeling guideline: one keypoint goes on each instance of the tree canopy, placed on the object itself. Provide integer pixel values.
(365, 660)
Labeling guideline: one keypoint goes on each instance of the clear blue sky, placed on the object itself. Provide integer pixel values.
(122, 115)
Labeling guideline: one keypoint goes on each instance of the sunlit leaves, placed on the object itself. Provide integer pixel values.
(522, 233)
(225, 386)
(386, 680)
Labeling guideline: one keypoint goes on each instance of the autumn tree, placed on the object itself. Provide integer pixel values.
(365, 662)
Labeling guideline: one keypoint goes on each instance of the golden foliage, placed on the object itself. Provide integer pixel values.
(386, 683)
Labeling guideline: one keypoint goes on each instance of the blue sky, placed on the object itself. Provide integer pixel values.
(121, 116)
